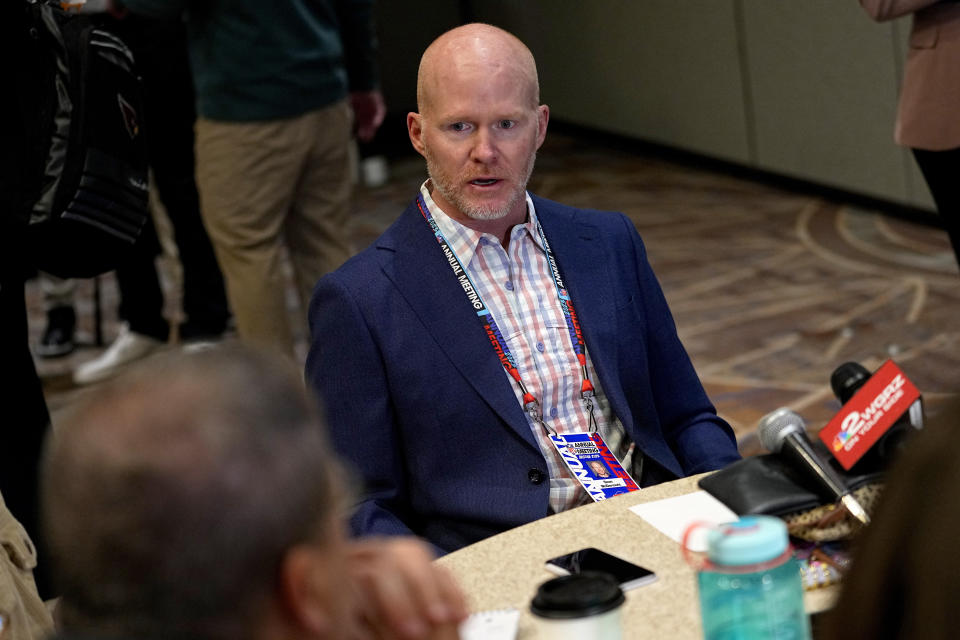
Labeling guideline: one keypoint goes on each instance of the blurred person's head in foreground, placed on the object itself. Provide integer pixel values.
(905, 575)
(196, 497)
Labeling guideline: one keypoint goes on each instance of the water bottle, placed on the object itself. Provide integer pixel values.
(750, 587)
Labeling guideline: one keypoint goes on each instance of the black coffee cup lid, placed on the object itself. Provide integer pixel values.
(577, 596)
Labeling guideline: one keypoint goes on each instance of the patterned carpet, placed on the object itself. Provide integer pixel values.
(771, 289)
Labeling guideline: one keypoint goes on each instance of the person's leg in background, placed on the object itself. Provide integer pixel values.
(247, 173)
(58, 336)
(141, 296)
(160, 47)
(940, 170)
(143, 328)
(316, 229)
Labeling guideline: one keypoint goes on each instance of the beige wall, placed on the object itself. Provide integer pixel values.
(804, 89)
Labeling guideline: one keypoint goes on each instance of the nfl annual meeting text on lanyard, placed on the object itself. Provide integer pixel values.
(530, 403)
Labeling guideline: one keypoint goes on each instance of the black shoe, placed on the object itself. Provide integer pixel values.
(57, 338)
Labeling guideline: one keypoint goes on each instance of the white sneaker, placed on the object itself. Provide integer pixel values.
(196, 346)
(127, 348)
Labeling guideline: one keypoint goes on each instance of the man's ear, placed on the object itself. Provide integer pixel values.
(543, 117)
(415, 130)
(305, 591)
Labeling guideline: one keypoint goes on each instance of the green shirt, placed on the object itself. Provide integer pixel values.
(271, 59)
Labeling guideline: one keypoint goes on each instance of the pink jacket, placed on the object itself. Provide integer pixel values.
(928, 116)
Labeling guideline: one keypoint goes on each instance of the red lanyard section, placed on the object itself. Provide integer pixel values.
(530, 403)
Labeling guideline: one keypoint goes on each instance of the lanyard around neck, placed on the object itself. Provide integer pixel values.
(530, 403)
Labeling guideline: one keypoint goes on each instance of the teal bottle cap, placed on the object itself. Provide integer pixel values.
(750, 540)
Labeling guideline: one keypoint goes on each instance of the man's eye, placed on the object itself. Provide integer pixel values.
(507, 124)
(459, 126)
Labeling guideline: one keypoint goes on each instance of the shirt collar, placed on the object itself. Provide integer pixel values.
(465, 241)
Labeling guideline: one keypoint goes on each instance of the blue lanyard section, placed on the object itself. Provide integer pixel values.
(530, 404)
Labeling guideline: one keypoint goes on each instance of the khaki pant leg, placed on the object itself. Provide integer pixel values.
(247, 174)
(316, 228)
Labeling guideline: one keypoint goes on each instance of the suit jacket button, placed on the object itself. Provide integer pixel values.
(535, 476)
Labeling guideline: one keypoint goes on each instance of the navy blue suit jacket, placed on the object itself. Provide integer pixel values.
(421, 409)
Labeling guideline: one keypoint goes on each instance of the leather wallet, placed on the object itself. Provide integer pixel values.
(767, 484)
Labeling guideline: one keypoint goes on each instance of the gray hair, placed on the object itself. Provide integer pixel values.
(171, 496)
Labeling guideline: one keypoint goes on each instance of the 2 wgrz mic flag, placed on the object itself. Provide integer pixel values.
(874, 408)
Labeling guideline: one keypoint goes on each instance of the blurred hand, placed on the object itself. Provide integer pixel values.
(403, 594)
(368, 113)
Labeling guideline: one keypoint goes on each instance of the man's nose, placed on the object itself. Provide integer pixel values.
(484, 147)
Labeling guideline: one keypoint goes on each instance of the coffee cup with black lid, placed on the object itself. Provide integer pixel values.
(574, 607)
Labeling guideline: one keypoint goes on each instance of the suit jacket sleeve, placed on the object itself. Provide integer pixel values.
(698, 437)
(359, 413)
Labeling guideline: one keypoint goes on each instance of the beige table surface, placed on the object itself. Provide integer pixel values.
(505, 570)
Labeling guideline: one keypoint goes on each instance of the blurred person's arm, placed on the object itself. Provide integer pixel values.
(358, 34)
(368, 112)
(403, 593)
(890, 9)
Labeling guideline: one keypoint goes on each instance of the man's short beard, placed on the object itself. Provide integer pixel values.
(480, 212)
(441, 182)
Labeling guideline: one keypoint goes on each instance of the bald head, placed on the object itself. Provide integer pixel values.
(478, 49)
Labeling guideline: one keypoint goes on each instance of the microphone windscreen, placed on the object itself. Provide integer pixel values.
(776, 426)
(847, 378)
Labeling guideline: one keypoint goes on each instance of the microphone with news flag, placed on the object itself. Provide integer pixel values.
(783, 432)
(873, 405)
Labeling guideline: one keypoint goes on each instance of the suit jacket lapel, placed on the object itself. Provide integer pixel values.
(586, 272)
(412, 260)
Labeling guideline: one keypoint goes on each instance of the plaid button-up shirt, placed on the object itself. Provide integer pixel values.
(518, 288)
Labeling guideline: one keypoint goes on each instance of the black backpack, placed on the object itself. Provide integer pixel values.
(92, 204)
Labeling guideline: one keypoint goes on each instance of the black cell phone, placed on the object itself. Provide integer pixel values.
(629, 575)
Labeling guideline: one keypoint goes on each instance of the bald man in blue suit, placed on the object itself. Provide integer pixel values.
(419, 401)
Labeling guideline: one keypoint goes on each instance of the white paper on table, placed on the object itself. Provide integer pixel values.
(672, 516)
(499, 624)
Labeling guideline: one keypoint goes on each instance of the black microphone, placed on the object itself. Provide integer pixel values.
(847, 379)
(783, 432)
